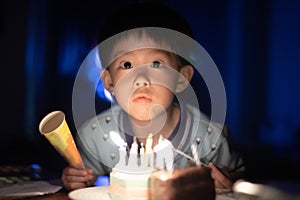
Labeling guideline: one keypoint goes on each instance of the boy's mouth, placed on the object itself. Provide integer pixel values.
(142, 99)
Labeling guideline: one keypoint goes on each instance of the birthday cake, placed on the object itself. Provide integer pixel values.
(149, 174)
(130, 178)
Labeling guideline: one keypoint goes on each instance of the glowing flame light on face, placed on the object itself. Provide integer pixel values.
(116, 138)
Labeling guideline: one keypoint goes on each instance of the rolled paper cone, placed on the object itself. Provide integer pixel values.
(55, 128)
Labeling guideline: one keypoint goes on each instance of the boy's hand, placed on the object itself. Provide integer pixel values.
(74, 178)
(221, 181)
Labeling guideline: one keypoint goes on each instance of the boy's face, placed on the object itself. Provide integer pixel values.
(144, 82)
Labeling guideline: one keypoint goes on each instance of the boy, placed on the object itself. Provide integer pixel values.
(146, 77)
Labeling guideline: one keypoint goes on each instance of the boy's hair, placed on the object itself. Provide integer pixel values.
(134, 19)
(138, 15)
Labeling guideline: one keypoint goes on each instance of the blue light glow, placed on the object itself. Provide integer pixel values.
(94, 74)
(70, 54)
(102, 181)
(35, 166)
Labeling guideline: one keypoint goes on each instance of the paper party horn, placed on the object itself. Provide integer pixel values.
(55, 128)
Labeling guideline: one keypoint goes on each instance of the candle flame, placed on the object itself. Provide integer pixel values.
(116, 138)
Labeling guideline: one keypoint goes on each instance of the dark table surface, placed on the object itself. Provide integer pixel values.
(291, 187)
(61, 195)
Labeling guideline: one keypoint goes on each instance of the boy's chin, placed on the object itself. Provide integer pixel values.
(148, 125)
(145, 121)
(147, 113)
(140, 114)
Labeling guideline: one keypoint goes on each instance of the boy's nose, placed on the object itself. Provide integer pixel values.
(141, 82)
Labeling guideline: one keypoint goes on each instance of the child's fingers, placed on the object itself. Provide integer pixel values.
(74, 185)
(70, 171)
(89, 170)
(221, 181)
(78, 178)
(73, 178)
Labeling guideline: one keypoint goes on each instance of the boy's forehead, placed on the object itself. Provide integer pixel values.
(148, 51)
(134, 42)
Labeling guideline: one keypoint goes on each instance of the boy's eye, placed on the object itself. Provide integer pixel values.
(155, 64)
(126, 65)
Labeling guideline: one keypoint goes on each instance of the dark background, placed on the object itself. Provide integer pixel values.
(255, 44)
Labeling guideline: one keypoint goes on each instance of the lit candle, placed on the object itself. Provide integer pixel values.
(122, 156)
(149, 142)
(134, 146)
(142, 149)
(149, 151)
(195, 154)
(144, 163)
(118, 140)
(151, 159)
(164, 154)
(132, 160)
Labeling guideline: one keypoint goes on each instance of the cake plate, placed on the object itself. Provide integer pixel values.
(101, 193)
(90, 193)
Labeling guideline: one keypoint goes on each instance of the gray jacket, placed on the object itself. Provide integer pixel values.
(101, 154)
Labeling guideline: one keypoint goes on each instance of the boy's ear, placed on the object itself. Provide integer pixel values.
(107, 81)
(186, 74)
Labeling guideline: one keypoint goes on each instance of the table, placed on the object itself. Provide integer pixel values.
(37, 190)
(59, 193)
(64, 196)
(55, 196)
